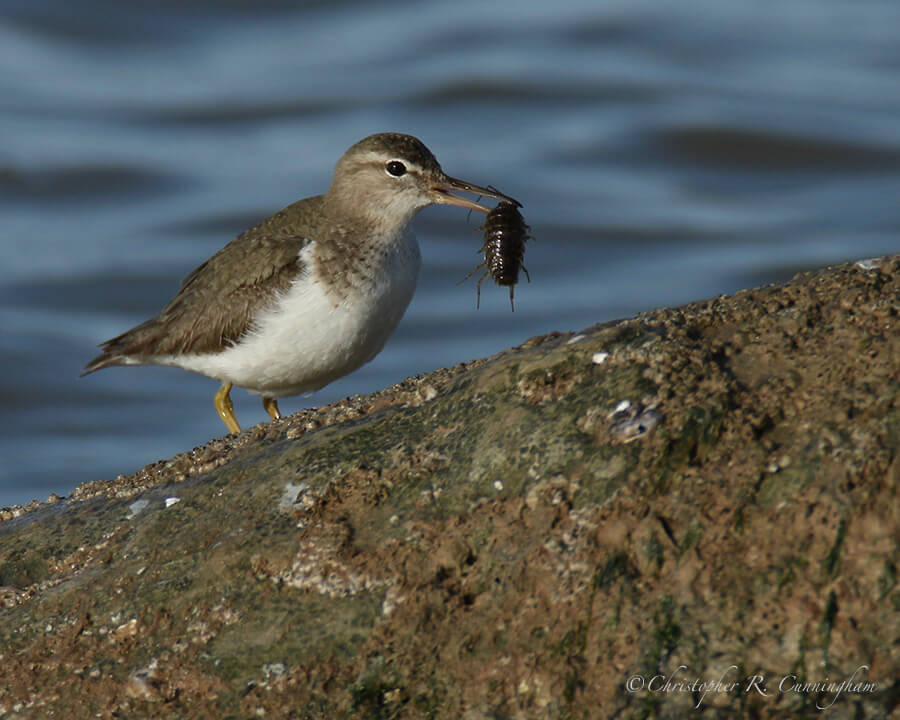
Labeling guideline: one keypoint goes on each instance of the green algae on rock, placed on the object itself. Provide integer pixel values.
(491, 540)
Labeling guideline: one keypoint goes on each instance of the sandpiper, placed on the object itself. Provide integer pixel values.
(309, 294)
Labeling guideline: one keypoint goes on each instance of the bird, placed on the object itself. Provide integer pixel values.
(309, 294)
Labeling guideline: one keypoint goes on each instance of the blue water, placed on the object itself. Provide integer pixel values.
(664, 152)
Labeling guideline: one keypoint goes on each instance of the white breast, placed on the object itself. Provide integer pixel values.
(309, 338)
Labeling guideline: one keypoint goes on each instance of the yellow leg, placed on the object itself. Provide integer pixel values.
(271, 406)
(226, 409)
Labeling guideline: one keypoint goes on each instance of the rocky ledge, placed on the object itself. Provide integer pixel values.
(691, 513)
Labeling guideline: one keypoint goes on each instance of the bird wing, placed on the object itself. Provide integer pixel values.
(218, 300)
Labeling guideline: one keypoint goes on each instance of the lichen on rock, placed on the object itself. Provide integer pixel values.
(706, 493)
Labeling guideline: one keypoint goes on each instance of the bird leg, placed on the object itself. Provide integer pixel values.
(226, 409)
(271, 406)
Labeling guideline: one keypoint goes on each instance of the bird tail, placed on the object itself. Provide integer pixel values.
(103, 360)
(119, 350)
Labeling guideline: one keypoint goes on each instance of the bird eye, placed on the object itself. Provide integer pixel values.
(395, 168)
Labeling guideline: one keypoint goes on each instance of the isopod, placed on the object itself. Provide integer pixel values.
(505, 233)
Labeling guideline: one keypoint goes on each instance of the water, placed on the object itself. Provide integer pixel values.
(664, 153)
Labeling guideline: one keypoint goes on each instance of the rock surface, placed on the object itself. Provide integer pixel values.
(585, 526)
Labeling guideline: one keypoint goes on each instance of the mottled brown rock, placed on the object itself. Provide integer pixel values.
(536, 535)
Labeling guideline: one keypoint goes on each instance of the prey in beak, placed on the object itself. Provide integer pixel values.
(441, 193)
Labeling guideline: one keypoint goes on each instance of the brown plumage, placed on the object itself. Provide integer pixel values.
(218, 301)
(309, 294)
(505, 233)
(215, 307)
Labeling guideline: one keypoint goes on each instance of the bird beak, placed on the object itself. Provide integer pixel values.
(441, 193)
